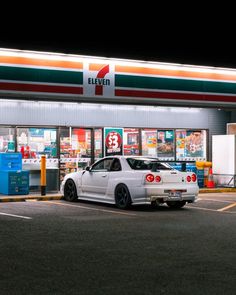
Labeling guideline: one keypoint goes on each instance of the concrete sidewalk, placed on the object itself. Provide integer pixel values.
(58, 195)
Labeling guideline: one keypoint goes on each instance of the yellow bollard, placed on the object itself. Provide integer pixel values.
(43, 175)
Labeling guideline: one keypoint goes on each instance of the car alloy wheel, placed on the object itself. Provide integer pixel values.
(70, 192)
(122, 197)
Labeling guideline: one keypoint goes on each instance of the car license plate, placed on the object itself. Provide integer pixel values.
(175, 195)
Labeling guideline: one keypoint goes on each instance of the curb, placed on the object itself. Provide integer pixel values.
(60, 197)
(217, 190)
(30, 198)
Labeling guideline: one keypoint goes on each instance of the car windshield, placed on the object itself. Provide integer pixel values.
(147, 164)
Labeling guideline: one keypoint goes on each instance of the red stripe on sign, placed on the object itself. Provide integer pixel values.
(174, 95)
(40, 88)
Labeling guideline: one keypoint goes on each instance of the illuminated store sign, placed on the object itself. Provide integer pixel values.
(79, 78)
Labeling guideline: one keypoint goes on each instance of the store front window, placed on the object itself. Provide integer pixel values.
(165, 145)
(32, 143)
(69, 149)
(149, 142)
(75, 150)
(190, 145)
(7, 140)
(131, 141)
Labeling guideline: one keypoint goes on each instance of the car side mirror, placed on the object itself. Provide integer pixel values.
(87, 168)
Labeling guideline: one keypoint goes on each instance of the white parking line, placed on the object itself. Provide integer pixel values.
(95, 209)
(17, 216)
(201, 208)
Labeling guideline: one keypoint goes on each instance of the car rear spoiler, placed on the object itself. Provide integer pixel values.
(183, 164)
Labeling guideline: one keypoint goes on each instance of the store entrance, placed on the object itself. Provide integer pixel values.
(32, 143)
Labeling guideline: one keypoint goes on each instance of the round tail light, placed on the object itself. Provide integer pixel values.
(189, 178)
(194, 177)
(158, 178)
(150, 178)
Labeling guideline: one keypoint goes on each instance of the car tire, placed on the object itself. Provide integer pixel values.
(70, 192)
(122, 197)
(176, 204)
(154, 204)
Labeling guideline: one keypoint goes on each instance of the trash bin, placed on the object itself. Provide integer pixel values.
(14, 182)
(10, 161)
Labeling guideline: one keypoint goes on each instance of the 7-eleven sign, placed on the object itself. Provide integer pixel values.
(99, 80)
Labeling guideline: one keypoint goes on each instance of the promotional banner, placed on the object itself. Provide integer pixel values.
(113, 144)
(165, 144)
(194, 143)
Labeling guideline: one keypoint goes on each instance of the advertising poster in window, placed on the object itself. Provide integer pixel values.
(180, 144)
(194, 144)
(165, 144)
(113, 138)
(190, 144)
(149, 142)
(131, 141)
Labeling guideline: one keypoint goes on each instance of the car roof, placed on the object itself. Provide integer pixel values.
(133, 156)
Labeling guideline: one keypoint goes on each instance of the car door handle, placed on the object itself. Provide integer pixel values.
(104, 175)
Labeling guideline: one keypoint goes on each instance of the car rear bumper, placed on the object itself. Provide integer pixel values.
(161, 199)
(177, 193)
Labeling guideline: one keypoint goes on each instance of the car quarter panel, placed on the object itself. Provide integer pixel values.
(134, 181)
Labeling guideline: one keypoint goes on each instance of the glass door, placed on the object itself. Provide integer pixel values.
(75, 149)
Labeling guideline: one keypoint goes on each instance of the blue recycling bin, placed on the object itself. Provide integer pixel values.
(14, 182)
(10, 161)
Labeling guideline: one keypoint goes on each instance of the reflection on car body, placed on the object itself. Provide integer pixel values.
(131, 180)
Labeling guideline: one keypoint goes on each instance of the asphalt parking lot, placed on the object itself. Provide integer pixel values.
(216, 202)
(56, 247)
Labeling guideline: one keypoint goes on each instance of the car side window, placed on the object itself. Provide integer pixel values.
(103, 165)
(116, 166)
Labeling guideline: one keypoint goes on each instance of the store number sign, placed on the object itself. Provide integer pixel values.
(113, 141)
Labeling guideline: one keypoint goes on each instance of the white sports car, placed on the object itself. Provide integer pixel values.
(126, 180)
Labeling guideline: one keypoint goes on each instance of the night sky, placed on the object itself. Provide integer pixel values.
(172, 38)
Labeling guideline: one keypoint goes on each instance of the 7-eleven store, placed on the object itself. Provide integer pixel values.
(75, 109)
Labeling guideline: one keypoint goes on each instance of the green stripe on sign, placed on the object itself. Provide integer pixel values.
(174, 84)
(40, 75)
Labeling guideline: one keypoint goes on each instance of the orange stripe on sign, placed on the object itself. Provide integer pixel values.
(96, 67)
(40, 62)
(174, 73)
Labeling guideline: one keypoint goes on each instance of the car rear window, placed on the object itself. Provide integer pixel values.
(147, 164)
